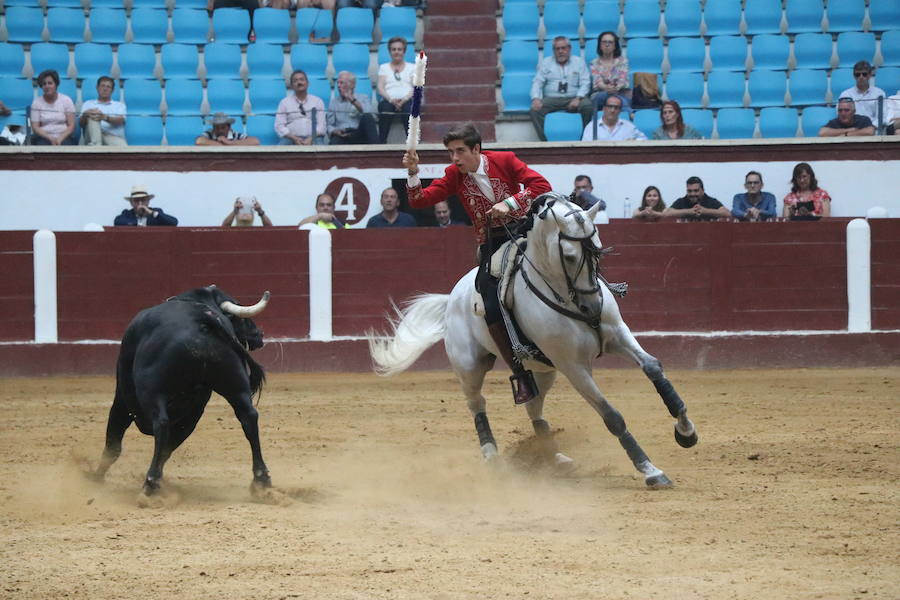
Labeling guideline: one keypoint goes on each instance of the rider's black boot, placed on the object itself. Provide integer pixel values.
(524, 387)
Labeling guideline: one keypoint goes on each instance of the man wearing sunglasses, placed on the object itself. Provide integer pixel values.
(300, 118)
(865, 96)
(848, 123)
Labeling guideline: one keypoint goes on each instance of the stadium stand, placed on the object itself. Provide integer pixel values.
(770, 51)
(722, 17)
(143, 131)
(272, 26)
(93, 60)
(686, 88)
(183, 97)
(600, 16)
(46, 55)
(561, 18)
(884, 15)
(767, 88)
(190, 26)
(183, 130)
(149, 25)
(397, 21)
(136, 60)
(563, 126)
(66, 25)
(728, 53)
(262, 127)
(699, 119)
(142, 97)
(24, 24)
(313, 24)
(726, 89)
(808, 86)
(682, 18)
(265, 61)
(12, 60)
(845, 15)
(222, 60)
(763, 16)
(226, 95)
(778, 122)
(735, 123)
(107, 25)
(522, 22)
(853, 46)
(179, 61)
(804, 16)
(814, 118)
(687, 54)
(354, 25)
(230, 25)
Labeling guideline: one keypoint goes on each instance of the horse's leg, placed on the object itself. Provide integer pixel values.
(624, 343)
(535, 410)
(580, 377)
(471, 378)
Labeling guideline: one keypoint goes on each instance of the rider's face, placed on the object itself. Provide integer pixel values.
(465, 158)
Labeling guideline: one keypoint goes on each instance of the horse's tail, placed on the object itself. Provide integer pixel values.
(418, 326)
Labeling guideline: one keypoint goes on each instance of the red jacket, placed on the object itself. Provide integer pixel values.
(507, 174)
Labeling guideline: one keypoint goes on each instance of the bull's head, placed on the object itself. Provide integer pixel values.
(240, 316)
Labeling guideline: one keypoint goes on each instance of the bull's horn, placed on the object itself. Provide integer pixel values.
(245, 312)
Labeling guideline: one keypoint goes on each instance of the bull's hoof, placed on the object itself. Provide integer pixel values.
(686, 441)
(658, 482)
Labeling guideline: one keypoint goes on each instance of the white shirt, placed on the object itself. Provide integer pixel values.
(397, 88)
(892, 108)
(866, 103)
(113, 108)
(622, 130)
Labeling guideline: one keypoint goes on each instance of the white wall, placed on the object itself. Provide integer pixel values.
(67, 200)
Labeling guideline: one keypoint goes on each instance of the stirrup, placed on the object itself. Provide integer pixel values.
(526, 379)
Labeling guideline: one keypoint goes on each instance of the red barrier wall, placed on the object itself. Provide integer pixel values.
(16, 285)
(885, 273)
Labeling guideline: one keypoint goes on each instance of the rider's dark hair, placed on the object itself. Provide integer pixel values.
(465, 132)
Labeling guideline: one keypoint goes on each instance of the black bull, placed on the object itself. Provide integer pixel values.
(172, 357)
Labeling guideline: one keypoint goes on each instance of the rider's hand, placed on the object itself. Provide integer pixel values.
(411, 162)
(499, 210)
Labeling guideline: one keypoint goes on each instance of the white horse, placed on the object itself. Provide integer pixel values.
(560, 304)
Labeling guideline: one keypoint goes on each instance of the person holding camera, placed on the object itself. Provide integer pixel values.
(242, 213)
(562, 82)
(141, 214)
(807, 201)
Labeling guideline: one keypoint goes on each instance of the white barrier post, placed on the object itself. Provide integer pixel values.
(320, 284)
(859, 276)
(44, 243)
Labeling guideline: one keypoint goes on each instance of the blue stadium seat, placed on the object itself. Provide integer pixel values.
(687, 54)
(197, 4)
(136, 60)
(69, 87)
(683, 18)
(700, 119)
(183, 130)
(812, 51)
(384, 55)
(183, 96)
(600, 16)
(840, 80)
(808, 86)
(265, 94)
(641, 18)
(561, 18)
(45, 55)
(854, 46)
(645, 55)
(191, 26)
(778, 122)
(262, 127)
(846, 15)
(143, 131)
(319, 86)
(521, 22)
(397, 21)
(149, 26)
(646, 120)
(351, 57)
(355, 25)
(515, 89)
(265, 61)
(804, 16)
(142, 97)
(364, 88)
(814, 118)
(722, 17)
(117, 4)
(563, 126)
(767, 88)
(519, 56)
(884, 14)
(726, 89)
(763, 16)
(24, 24)
(770, 51)
(64, 3)
(312, 58)
(589, 52)
(272, 26)
(685, 88)
(313, 23)
(230, 25)
(728, 53)
(890, 48)
(12, 60)
(735, 123)
(179, 61)
(108, 25)
(93, 60)
(66, 25)
(222, 60)
(888, 78)
(18, 93)
(225, 95)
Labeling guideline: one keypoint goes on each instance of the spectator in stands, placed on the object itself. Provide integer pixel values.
(395, 87)
(141, 214)
(324, 216)
(754, 204)
(443, 216)
(52, 114)
(865, 96)
(673, 126)
(610, 127)
(583, 195)
(892, 114)
(847, 123)
(609, 72)
(248, 5)
(350, 119)
(562, 82)
(300, 118)
(373, 4)
(103, 119)
(390, 215)
(807, 201)
(652, 205)
(222, 134)
(696, 205)
(13, 133)
(242, 213)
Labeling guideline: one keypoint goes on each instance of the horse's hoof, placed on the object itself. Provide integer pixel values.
(658, 482)
(686, 441)
(489, 453)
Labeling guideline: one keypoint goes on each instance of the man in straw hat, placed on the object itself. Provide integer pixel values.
(141, 213)
(222, 134)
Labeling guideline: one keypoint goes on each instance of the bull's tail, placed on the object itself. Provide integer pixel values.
(418, 326)
(257, 375)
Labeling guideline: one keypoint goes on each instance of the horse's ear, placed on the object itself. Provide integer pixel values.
(592, 211)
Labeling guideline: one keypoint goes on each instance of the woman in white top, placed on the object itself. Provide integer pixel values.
(52, 114)
(395, 86)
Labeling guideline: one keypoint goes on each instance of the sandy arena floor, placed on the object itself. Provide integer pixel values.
(791, 493)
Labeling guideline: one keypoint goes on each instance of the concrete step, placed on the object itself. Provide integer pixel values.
(461, 8)
(463, 24)
(450, 39)
(465, 94)
(446, 57)
(437, 77)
